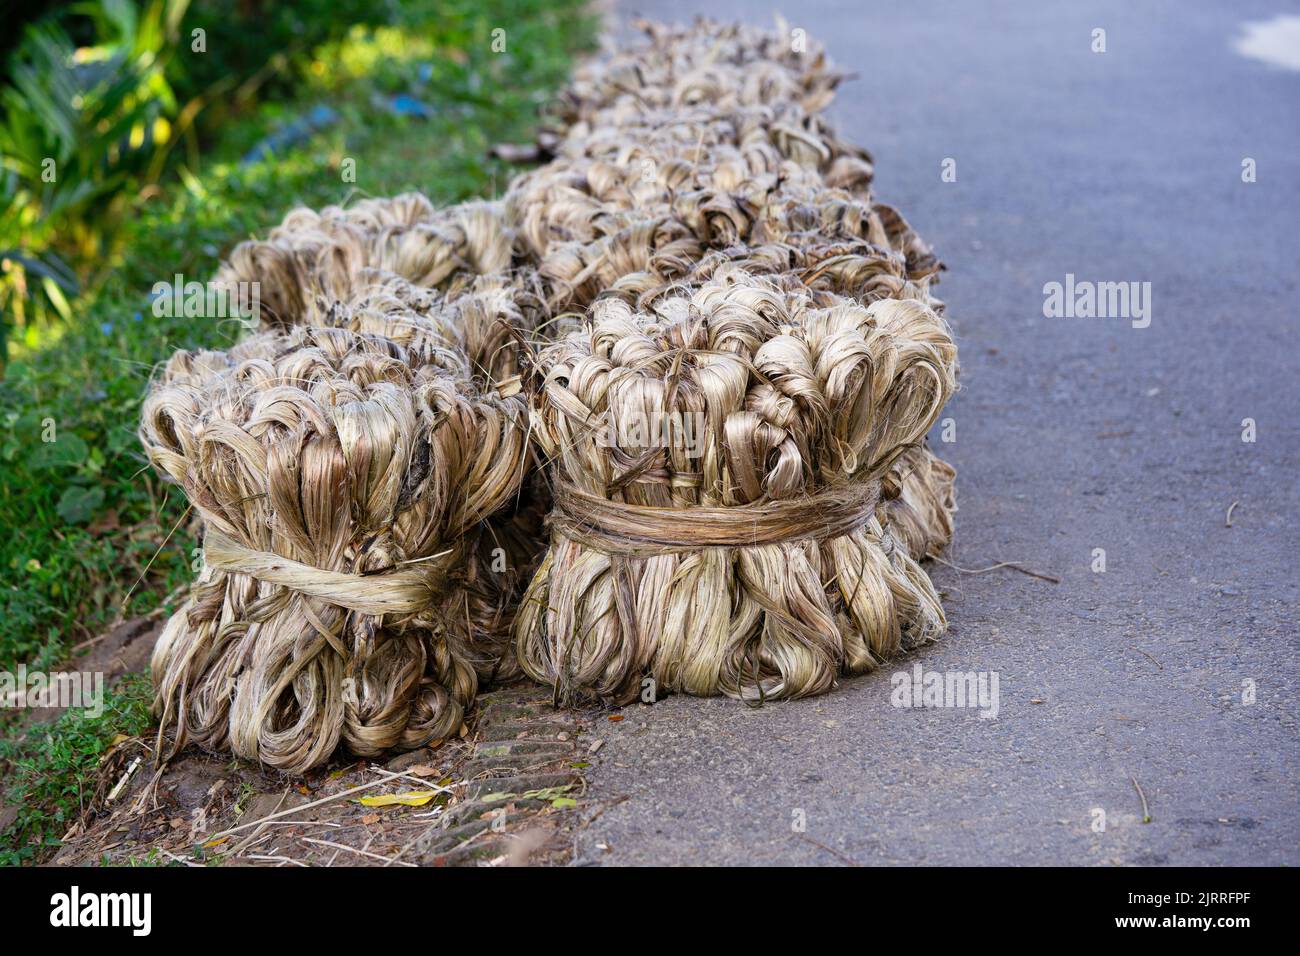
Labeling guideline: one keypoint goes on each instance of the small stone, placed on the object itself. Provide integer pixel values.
(264, 804)
(413, 758)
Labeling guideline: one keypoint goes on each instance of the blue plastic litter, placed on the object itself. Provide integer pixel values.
(296, 132)
(404, 105)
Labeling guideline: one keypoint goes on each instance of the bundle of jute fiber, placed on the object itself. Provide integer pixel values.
(466, 334)
(833, 242)
(338, 476)
(482, 318)
(703, 140)
(721, 471)
(726, 65)
(482, 323)
(481, 315)
(313, 259)
(660, 207)
(683, 96)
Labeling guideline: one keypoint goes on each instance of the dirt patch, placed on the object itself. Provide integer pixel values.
(123, 650)
(510, 793)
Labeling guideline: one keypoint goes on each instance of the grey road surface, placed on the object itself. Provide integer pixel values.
(1072, 434)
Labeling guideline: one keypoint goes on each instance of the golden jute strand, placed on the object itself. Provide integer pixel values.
(919, 502)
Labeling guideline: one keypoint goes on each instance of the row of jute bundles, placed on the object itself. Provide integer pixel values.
(693, 335)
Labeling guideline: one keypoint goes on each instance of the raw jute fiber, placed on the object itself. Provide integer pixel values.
(702, 145)
(776, 548)
(481, 324)
(313, 259)
(342, 477)
(372, 468)
(713, 254)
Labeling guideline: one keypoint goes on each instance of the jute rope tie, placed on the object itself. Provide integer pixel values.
(643, 531)
(398, 590)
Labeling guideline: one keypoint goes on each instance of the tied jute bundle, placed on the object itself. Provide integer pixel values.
(343, 479)
(771, 543)
(313, 259)
(657, 211)
(481, 318)
(706, 143)
(786, 553)
(707, 63)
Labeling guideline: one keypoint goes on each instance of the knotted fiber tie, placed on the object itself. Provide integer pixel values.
(614, 527)
(405, 590)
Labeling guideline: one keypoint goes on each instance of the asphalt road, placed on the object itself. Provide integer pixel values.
(1072, 434)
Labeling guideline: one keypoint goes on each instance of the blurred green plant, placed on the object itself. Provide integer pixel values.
(264, 42)
(84, 129)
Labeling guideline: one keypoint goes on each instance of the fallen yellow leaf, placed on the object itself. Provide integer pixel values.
(418, 799)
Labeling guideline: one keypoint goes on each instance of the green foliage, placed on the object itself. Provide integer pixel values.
(82, 130)
(51, 764)
(265, 39)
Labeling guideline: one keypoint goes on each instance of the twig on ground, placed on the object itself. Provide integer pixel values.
(388, 776)
(1146, 814)
(112, 794)
(1159, 666)
(1002, 564)
(421, 781)
(352, 849)
(276, 859)
(835, 853)
(257, 835)
(178, 859)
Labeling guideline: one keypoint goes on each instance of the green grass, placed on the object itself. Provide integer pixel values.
(52, 766)
(93, 536)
